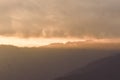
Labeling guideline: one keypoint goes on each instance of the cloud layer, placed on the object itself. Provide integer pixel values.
(60, 18)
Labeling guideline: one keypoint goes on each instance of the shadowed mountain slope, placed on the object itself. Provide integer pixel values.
(45, 63)
(105, 69)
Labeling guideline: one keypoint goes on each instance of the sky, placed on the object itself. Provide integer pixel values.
(60, 18)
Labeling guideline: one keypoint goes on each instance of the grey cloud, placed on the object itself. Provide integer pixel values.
(60, 18)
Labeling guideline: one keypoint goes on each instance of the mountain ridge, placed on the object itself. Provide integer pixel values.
(77, 44)
(104, 69)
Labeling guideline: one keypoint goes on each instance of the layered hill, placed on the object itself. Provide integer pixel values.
(105, 69)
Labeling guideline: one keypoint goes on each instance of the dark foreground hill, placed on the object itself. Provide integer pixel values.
(105, 69)
(45, 63)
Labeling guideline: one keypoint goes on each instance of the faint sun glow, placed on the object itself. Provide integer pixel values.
(36, 42)
(32, 42)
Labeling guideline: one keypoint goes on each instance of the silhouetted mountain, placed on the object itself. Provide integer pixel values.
(78, 45)
(105, 69)
(45, 63)
(86, 44)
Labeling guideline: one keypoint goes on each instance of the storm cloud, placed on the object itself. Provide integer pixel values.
(60, 18)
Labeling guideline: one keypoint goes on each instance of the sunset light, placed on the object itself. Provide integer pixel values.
(37, 42)
(33, 42)
(59, 39)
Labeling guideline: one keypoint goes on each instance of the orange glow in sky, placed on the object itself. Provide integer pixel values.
(32, 42)
(36, 42)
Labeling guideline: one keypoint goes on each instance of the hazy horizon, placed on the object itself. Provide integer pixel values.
(66, 20)
(47, 39)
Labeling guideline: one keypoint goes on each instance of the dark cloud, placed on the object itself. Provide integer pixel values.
(60, 18)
